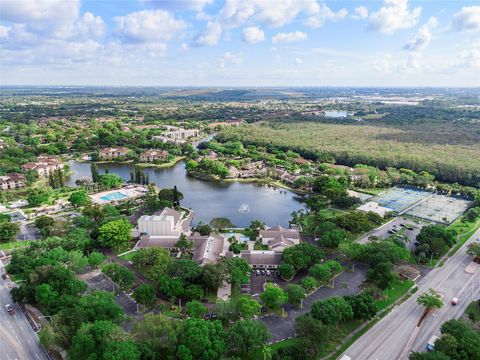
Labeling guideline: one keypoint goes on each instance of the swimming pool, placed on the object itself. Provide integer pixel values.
(242, 238)
(117, 195)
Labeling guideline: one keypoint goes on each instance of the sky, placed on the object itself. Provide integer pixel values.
(235, 43)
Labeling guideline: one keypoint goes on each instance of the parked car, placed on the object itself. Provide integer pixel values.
(257, 272)
(454, 301)
(4, 276)
(268, 272)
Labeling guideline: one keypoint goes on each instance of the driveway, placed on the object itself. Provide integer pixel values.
(346, 283)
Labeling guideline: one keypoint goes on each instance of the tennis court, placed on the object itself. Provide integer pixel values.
(399, 199)
(440, 208)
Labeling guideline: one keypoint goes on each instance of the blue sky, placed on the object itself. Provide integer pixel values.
(240, 42)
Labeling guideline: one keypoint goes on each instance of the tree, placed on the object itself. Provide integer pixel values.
(255, 227)
(193, 292)
(430, 300)
(8, 231)
(94, 170)
(214, 275)
(247, 307)
(468, 338)
(44, 224)
(302, 256)
(331, 239)
(172, 195)
(90, 340)
(121, 350)
(273, 297)
(96, 258)
(184, 244)
(46, 337)
(154, 260)
(115, 233)
(295, 294)
(332, 310)
(320, 272)
(287, 271)
(313, 333)
(173, 288)
(363, 306)
(474, 249)
(195, 309)
(46, 295)
(429, 356)
(79, 198)
(37, 197)
(200, 339)
(120, 275)
(158, 332)
(382, 275)
(184, 269)
(434, 240)
(238, 270)
(203, 229)
(245, 336)
(110, 181)
(309, 283)
(77, 261)
(144, 294)
(221, 223)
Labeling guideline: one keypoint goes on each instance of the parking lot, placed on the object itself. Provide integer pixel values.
(403, 228)
(257, 281)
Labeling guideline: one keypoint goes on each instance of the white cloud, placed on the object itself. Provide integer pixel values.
(149, 25)
(229, 57)
(423, 36)
(40, 13)
(298, 61)
(253, 35)
(179, 5)
(4, 30)
(360, 13)
(184, 47)
(289, 37)
(210, 35)
(91, 26)
(470, 58)
(467, 19)
(324, 14)
(394, 15)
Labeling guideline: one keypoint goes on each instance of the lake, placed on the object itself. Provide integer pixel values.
(211, 199)
(336, 114)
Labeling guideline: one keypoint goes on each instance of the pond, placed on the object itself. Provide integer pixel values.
(212, 199)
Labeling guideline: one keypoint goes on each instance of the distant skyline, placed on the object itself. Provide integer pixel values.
(240, 43)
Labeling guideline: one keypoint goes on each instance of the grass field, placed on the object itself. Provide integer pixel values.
(398, 289)
(465, 231)
(14, 245)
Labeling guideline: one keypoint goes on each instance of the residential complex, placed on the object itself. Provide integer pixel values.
(45, 165)
(111, 153)
(154, 155)
(12, 181)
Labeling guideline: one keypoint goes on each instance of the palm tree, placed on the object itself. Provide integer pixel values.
(430, 300)
(267, 352)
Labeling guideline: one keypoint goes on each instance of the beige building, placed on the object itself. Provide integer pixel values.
(111, 153)
(163, 229)
(154, 155)
(12, 181)
(279, 238)
(45, 165)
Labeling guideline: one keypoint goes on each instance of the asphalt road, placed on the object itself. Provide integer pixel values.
(17, 339)
(397, 333)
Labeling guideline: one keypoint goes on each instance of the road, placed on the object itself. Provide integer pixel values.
(17, 339)
(388, 339)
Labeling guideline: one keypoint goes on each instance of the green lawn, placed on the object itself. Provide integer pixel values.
(128, 256)
(473, 311)
(14, 245)
(465, 231)
(330, 213)
(370, 191)
(389, 296)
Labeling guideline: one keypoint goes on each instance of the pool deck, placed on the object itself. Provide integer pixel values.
(130, 192)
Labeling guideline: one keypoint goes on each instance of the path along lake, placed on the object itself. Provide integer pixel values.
(211, 199)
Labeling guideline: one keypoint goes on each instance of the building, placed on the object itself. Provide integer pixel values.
(177, 135)
(279, 238)
(262, 259)
(12, 181)
(208, 249)
(226, 123)
(372, 206)
(163, 229)
(284, 176)
(45, 165)
(154, 155)
(111, 153)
